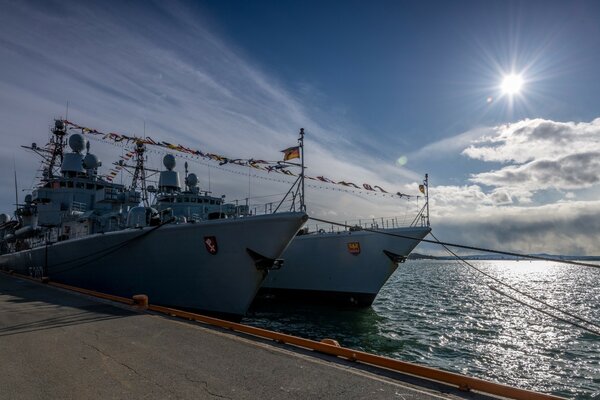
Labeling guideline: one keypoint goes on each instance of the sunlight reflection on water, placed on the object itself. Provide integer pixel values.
(440, 314)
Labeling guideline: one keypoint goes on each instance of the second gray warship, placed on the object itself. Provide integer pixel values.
(346, 267)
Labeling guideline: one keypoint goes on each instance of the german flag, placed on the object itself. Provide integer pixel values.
(291, 152)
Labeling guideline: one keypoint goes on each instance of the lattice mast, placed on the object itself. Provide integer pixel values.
(139, 173)
(54, 150)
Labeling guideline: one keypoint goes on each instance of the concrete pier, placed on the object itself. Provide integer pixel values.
(55, 344)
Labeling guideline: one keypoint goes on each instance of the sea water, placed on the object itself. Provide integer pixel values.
(445, 315)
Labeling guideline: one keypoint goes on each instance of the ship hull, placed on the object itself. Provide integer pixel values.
(171, 264)
(347, 268)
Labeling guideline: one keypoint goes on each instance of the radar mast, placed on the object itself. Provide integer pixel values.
(139, 174)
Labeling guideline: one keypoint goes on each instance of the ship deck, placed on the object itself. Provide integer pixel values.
(58, 344)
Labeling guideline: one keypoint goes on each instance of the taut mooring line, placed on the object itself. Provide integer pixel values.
(557, 317)
(461, 246)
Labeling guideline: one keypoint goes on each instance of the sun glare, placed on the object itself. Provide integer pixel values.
(512, 84)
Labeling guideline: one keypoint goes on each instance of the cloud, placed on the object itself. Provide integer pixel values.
(575, 171)
(159, 66)
(534, 139)
(568, 227)
(540, 155)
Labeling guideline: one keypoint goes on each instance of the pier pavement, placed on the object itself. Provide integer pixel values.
(56, 344)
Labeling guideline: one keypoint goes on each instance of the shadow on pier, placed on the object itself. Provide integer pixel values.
(47, 309)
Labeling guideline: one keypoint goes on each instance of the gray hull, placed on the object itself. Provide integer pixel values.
(321, 268)
(170, 264)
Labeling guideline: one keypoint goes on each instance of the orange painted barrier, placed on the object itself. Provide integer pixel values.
(460, 381)
(331, 347)
(104, 296)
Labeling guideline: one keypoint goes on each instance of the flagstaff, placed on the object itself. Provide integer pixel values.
(301, 141)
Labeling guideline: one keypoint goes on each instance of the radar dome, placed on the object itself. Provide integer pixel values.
(4, 218)
(77, 142)
(192, 180)
(90, 161)
(169, 161)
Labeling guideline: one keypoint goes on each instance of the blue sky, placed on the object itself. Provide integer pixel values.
(370, 82)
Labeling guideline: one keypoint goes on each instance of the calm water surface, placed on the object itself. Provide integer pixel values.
(440, 314)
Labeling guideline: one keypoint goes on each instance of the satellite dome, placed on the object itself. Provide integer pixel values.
(4, 218)
(90, 161)
(169, 161)
(192, 180)
(77, 142)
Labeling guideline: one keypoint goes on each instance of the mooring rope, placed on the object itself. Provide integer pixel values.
(587, 321)
(461, 246)
(446, 245)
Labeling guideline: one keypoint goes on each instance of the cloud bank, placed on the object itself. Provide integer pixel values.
(540, 154)
(541, 199)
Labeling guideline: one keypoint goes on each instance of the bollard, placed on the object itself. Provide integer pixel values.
(140, 301)
(331, 342)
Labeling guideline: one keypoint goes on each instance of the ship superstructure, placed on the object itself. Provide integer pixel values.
(190, 203)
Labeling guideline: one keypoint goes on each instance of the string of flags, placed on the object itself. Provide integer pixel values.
(113, 172)
(277, 167)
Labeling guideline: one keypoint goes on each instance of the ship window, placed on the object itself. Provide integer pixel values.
(212, 202)
(193, 199)
(62, 184)
(70, 184)
(89, 186)
(79, 185)
(179, 199)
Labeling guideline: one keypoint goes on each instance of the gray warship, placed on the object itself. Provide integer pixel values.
(80, 229)
(346, 267)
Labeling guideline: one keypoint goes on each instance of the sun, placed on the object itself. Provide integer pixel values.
(512, 84)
